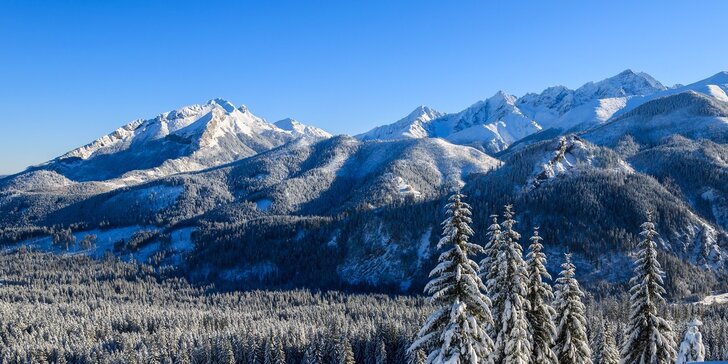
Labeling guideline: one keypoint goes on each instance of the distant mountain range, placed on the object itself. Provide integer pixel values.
(499, 121)
(227, 196)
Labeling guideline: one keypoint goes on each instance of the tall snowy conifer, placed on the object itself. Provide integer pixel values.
(571, 344)
(313, 354)
(512, 342)
(692, 348)
(455, 332)
(489, 268)
(606, 349)
(540, 313)
(649, 337)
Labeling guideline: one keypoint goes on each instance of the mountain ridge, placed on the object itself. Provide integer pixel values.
(503, 119)
(217, 191)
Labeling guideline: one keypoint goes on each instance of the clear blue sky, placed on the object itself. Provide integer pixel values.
(71, 71)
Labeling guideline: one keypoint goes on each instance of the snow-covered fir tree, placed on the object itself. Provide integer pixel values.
(274, 353)
(381, 354)
(649, 337)
(489, 267)
(455, 332)
(571, 344)
(416, 357)
(512, 343)
(605, 351)
(540, 314)
(692, 348)
(313, 354)
(346, 353)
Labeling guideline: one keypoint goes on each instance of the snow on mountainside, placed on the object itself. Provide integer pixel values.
(718, 299)
(300, 130)
(499, 121)
(690, 114)
(191, 138)
(492, 124)
(413, 125)
(496, 123)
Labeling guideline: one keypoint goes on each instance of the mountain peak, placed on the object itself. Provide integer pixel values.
(626, 83)
(720, 78)
(423, 112)
(288, 124)
(629, 78)
(502, 97)
(413, 125)
(627, 72)
(298, 129)
(226, 105)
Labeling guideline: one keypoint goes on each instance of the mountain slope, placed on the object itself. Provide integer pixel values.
(690, 114)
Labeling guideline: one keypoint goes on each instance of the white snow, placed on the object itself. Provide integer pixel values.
(105, 240)
(503, 119)
(405, 189)
(423, 249)
(297, 129)
(414, 125)
(718, 299)
(206, 134)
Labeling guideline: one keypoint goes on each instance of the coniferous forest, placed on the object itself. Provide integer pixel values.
(504, 309)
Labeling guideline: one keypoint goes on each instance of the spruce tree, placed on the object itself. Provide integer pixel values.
(489, 267)
(455, 332)
(571, 344)
(253, 351)
(540, 314)
(512, 342)
(649, 336)
(274, 353)
(381, 354)
(692, 348)
(416, 357)
(313, 354)
(343, 352)
(605, 351)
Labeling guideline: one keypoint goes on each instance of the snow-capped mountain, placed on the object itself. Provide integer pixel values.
(188, 139)
(593, 103)
(491, 125)
(299, 130)
(414, 125)
(499, 121)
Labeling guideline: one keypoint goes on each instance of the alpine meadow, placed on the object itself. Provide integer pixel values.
(573, 225)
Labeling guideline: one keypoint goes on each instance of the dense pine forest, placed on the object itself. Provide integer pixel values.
(73, 309)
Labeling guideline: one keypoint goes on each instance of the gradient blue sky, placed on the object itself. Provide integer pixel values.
(71, 71)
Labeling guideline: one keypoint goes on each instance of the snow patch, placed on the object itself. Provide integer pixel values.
(423, 249)
(105, 240)
(719, 299)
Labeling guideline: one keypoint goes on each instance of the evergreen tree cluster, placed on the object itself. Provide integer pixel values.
(516, 318)
(74, 309)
